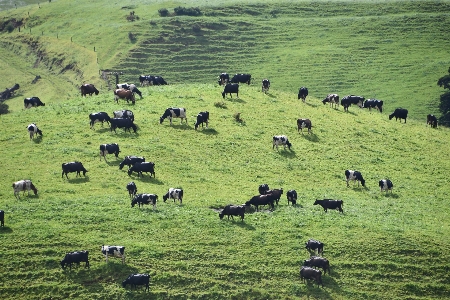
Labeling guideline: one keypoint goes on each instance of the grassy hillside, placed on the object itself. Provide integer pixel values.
(385, 246)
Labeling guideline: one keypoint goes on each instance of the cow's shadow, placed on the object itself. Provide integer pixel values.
(311, 137)
(125, 134)
(238, 222)
(270, 95)
(237, 100)
(311, 104)
(114, 163)
(181, 126)
(38, 139)
(148, 179)
(5, 229)
(209, 131)
(77, 180)
(287, 153)
(391, 195)
(101, 130)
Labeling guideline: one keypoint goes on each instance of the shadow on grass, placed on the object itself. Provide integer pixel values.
(181, 126)
(116, 162)
(147, 179)
(209, 131)
(311, 104)
(350, 112)
(287, 153)
(78, 180)
(391, 195)
(38, 139)
(125, 134)
(311, 137)
(270, 95)
(237, 100)
(102, 130)
(5, 229)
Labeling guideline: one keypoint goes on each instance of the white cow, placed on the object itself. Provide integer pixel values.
(33, 129)
(174, 194)
(115, 251)
(281, 140)
(23, 185)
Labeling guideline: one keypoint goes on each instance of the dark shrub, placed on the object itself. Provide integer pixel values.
(163, 12)
(190, 11)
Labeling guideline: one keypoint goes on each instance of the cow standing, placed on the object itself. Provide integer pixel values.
(224, 78)
(132, 189)
(88, 89)
(291, 196)
(109, 149)
(330, 204)
(302, 93)
(74, 166)
(431, 120)
(233, 210)
(354, 176)
(76, 257)
(347, 101)
(385, 185)
(32, 102)
(141, 199)
(22, 186)
(314, 245)
(261, 200)
(33, 129)
(202, 117)
(130, 160)
(124, 94)
(137, 279)
(318, 262)
(115, 251)
(174, 193)
(98, 117)
(126, 124)
(241, 78)
(310, 273)
(304, 123)
(231, 88)
(374, 103)
(265, 85)
(130, 87)
(399, 113)
(281, 140)
(124, 114)
(333, 99)
(139, 167)
(174, 112)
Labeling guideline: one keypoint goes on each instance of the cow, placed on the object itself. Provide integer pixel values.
(158, 80)
(76, 257)
(33, 129)
(261, 200)
(98, 117)
(330, 204)
(310, 273)
(318, 262)
(281, 140)
(132, 189)
(124, 94)
(130, 160)
(139, 167)
(241, 78)
(130, 87)
(233, 210)
(314, 245)
(146, 80)
(174, 112)
(88, 89)
(202, 117)
(137, 279)
(231, 88)
(174, 193)
(124, 114)
(276, 194)
(302, 93)
(373, 103)
(265, 85)
(22, 186)
(431, 120)
(399, 113)
(74, 166)
(115, 251)
(347, 101)
(126, 124)
(32, 102)
(333, 99)
(109, 149)
(291, 196)
(2, 218)
(304, 123)
(385, 185)
(224, 78)
(263, 189)
(142, 199)
(354, 176)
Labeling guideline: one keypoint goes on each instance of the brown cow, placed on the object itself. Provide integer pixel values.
(304, 123)
(88, 88)
(124, 94)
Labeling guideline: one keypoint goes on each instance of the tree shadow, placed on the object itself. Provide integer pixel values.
(209, 131)
(5, 229)
(311, 137)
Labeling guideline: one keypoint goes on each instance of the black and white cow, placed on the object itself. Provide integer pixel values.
(241, 78)
(354, 176)
(130, 160)
(281, 140)
(22, 186)
(291, 196)
(98, 117)
(141, 199)
(347, 101)
(302, 93)
(158, 80)
(32, 102)
(74, 166)
(224, 78)
(146, 80)
(265, 85)
(231, 88)
(174, 193)
(304, 123)
(202, 117)
(374, 103)
(385, 185)
(174, 112)
(137, 279)
(432, 120)
(126, 124)
(2, 218)
(130, 87)
(132, 189)
(33, 129)
(115, 251)
(124, 114)
(76, 257)
(139, 167)
(333, 99)
(109, 149)
(399, 113)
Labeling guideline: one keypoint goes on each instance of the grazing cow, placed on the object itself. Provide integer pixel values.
(318, 262)
(126, 124)
(76, 257)
(124, 114)
(98, 117)
(130, 160)
(174, 112)
(132, 189)
(130, 87)
(146, 79)
(333, 99)
(22, 186)
(399, 113)
(231, 88)
(233, 210)
(158, 80)
(142, 199)
(263, 189)
(174, 194)
(276, 194)
(137, 279)
(224, 78)
(281, 140)
(32, 102)
(139, 167)
(115, 251)
(109, 149)
(261, 200)
(330, 204)
(431, 120)
(202, 117)
(310, 273)
(302, 93)
(347, 101)
(355, 176)
(385, 185)
(124, 94)
(373, 103)
(88, 89)
(2, 218)
(304, 123)
(291, 196)
(313, 245)
(265, 85)
(241, 78)
(74, 166)
(33, 129)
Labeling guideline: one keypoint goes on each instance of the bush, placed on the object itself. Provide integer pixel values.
(191, 11)
(163, 12)
(196, 28)
(220, 104)
(10, 27)
(4, 109)
(131, 36)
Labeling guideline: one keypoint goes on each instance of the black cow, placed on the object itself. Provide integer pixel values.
(2, 218)
(32, 102)
(109, 149)
(431, 120)
(137, 279)
(74, 166)
(265, 85)
(302, 93)
(132, 189)
(385, 185)
(124, 114)
(333, 99)
(130, 160)
(231, 88)
(261, 200)
(88, 89)
(399, 113)
(276, 194)
(98, 117)
(202, 117)
(304, 123)
(347, 101)
(374, 103)
(263, 188)
(142, 199)
(330, 204)
(224, 78)
(313, 245)
(281, 140)
(291, 196)
(354, 176)
(115, 251)
(241, 78)
(233, 210)
(76, 257)
(318, 262)
(139, 167)
(33, 129)
(174, 112)
(130, 87)
(174, 193)
(310, 273)
(122, 123)
(159, 81)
